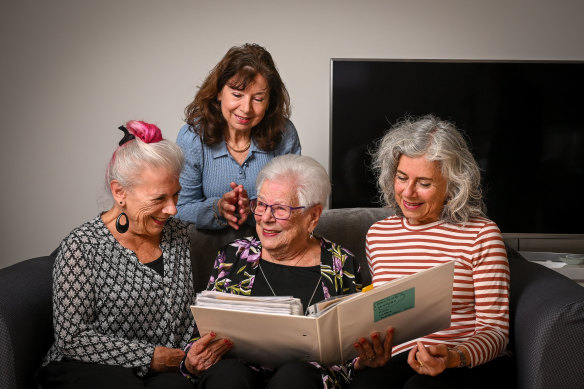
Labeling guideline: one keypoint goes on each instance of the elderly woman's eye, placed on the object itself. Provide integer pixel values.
(280, 210)
(401, 178)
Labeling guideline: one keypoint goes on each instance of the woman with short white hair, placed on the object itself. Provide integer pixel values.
(286, 260)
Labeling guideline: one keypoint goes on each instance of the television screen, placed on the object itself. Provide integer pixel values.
(523, 122)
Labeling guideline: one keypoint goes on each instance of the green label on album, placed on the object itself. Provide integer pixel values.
(393, 304)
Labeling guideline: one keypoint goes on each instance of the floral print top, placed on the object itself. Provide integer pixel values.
(236, 266)
(235, 269)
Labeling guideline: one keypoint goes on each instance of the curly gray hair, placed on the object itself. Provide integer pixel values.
(439, 141)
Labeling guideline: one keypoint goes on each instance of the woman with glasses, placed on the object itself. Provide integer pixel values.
(287, 260)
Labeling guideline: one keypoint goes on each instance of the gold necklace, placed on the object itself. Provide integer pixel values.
(238, 150)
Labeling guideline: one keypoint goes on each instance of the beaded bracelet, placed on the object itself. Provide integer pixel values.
(217, 214)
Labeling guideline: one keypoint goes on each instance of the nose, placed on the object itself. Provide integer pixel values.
(170, 208)
(245, 105)
(409, 189)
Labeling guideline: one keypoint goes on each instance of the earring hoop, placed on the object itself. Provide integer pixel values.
(122, 228)
(311, 234)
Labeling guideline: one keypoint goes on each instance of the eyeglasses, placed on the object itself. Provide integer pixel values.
(279, 211)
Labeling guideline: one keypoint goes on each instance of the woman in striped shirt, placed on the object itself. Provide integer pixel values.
(427, 174)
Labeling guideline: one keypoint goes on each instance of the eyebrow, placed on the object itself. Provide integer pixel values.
(418, 178)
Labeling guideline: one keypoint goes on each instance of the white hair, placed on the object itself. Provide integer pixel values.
(130, 159)
(308, 177)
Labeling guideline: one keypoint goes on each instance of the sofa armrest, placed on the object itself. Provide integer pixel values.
(547, 326)
(26, 320)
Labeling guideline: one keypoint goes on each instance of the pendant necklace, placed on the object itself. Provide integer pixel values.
(274, 293)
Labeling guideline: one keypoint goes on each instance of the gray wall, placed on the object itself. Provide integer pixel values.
(72, 71)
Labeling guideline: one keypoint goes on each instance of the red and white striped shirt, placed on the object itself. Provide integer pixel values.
(480, 296)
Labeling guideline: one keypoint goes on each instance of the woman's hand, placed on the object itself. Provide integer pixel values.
(205, 352)
(166, 359)
(376, 353)
(432, 360)
(234, 205)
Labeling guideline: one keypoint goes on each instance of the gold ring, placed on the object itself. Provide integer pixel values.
(421, 364)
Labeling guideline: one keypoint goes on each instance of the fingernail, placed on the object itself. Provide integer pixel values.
(362, 340)
(356, 345)
(213, 334)
(375, 335)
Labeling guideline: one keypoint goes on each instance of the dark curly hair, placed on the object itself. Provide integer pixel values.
(244, 63)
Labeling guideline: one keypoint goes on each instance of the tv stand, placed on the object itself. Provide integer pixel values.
(546, 249)
(557, 243)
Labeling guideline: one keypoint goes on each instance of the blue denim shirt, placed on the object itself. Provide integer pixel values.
(209, 170)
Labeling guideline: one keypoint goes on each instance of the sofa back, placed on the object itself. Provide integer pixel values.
(345, 226)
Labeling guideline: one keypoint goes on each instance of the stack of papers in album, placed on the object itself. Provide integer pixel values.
(415, 306)
(283, 305)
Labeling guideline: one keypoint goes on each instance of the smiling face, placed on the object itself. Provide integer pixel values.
(152, 201)
(244, 109)
(283, 239)
(420, 189)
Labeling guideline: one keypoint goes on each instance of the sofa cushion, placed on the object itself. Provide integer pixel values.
(348, 227)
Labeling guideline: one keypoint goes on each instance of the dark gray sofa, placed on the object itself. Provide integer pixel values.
(547, 309)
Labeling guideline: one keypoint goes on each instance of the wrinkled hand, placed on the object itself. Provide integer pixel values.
(234, 205)
(205, 352)
(166, 359)
(376, 353)
(431, 360)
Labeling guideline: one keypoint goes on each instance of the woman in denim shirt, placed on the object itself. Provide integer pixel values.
(236, 124)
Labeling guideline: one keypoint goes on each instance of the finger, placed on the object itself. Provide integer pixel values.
(203, 342)
(222, 346)
(412, 361)
(424, 354)
(377, 345)
(388, 342)
(229, 197)
(243, 202)
(361, 354)
(368, 351)
(232, 185)
(244, 192)
(242, 219)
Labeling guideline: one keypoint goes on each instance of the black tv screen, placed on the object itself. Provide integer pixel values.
(523, 120)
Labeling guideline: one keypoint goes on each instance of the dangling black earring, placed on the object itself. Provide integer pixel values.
(121, 228)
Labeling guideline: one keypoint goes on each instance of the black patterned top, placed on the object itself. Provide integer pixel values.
(109, 308)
